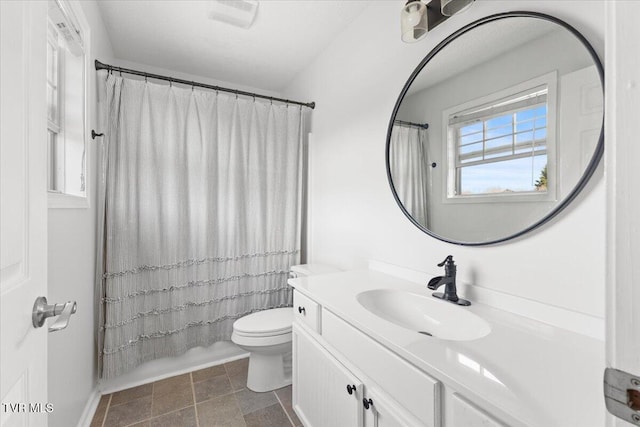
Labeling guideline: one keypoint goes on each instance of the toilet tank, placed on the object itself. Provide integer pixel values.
(304, 270)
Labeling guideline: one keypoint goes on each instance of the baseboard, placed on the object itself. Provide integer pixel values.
(90, 408)
(560, 317)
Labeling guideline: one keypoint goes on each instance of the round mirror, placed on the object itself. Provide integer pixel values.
(497, 129)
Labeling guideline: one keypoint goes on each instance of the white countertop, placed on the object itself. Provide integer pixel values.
(535, 373)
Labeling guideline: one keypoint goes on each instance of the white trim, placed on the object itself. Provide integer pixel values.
(65, 200)
(559, 317)
(90, 409)
(310, 191)
(622, 102)
(448, 155)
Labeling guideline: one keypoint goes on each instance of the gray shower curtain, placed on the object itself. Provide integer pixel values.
(409, 159)
(200, 196)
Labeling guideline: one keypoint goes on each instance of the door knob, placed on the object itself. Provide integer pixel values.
(42, 311)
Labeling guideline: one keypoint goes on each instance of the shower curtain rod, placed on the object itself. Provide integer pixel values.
(101, 66)
(417, 125)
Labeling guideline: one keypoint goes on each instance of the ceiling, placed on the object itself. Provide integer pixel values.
(286, 36)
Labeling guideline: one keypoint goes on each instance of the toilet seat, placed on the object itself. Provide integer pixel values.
(261, 341)
(266, 323)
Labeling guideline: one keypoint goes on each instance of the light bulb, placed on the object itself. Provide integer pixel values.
(414, 16)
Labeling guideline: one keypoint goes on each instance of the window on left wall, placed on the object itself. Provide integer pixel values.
(66, 108)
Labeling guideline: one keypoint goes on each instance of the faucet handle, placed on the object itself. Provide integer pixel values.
(447, 260)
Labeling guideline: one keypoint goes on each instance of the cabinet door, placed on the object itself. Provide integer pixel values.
(467, 415)
(383, 413)
(320, 395)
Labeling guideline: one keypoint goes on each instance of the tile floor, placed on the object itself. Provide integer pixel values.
(215, 396)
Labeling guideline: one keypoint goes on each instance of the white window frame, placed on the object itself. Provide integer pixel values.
(55, 125)
(449, 193)
(60, 199)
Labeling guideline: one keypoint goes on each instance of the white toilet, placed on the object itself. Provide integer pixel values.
(266, 335)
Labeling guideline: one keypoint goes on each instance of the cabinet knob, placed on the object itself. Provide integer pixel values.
(351, 388)
(302, 310)
(367, 403)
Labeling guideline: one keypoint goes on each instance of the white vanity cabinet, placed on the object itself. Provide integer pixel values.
(327, 392)
(522, 374)
(320, 394)
(343, 378)
(465, 414)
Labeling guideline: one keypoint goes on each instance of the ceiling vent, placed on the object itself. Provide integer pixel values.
(239, 13)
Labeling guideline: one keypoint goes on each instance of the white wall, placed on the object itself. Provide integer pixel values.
(355, 83)
(72, 354)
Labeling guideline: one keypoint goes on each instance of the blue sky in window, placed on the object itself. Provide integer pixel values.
(509, 175)
(515, 175)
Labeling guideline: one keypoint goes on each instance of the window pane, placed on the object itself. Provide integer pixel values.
(516, 175)
(524, 115)
(471, 148)
(488, 151)
(50, 53)
(51, 104)
(470, 139)
(526, 125)
(540, 111)
(52, 164)
(499, 131)
(472, 128)
(499, 121)
(506, 141)
(541, 121)
(540, 133)
(524, 137)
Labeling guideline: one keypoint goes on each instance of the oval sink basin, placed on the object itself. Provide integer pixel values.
(426, 315)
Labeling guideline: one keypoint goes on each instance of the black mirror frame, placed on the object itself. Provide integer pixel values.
(591, 167)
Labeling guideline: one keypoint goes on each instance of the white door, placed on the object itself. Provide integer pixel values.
(325, 393)
(580, 110)
(622, 171)
(23, 212)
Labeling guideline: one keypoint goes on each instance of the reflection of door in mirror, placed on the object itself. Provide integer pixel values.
(580, 113)
(409, 158)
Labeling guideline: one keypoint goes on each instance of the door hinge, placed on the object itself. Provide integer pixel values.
(622, 395)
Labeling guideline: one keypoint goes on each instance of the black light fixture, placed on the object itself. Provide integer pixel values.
(421, 16)
(451, 7)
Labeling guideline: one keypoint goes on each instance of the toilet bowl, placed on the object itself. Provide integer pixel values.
(266, 335)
